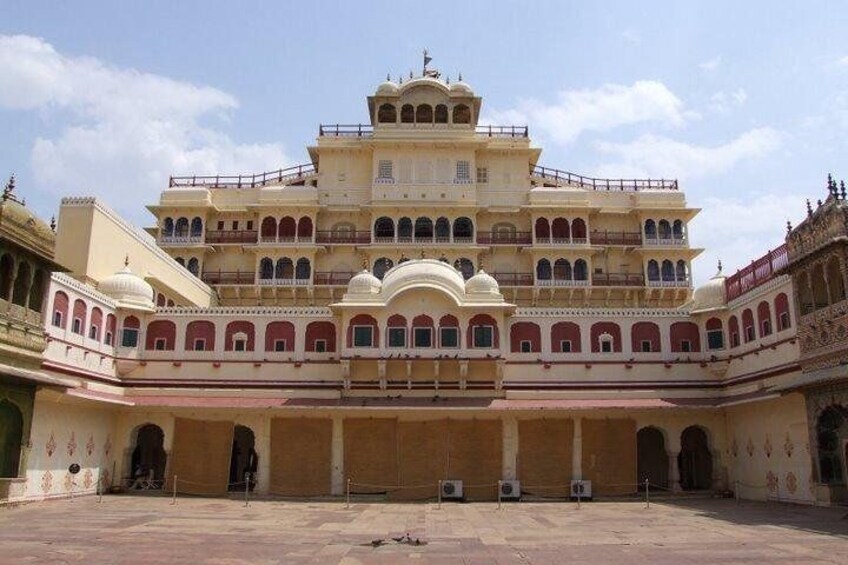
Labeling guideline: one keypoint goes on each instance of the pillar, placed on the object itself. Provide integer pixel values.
(510, 448)
(577, 450)
(673, 471)
(263, 449)
(337, 484)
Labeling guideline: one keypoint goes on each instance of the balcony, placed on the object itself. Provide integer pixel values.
(232, 236)
(181, 239)
(343, 238)
(501, 238)
(367, 130)
(285, 240)
(228, 277)
(758, 272)
(411, 240)
(676, 241)
(514, 279)
(283, 282)
(291, 175)
(618, 279)
(561, 241)
(565, 178)
(607, 237)
(562, 283)
(684, 283)
(332, 278)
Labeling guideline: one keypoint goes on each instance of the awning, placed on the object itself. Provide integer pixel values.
(829, 375)
(40, 377)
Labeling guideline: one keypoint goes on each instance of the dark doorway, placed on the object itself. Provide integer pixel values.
(695, 460)
(651, 458)
(831, 431)
(244, 458)
(11, 436)
(149, 453)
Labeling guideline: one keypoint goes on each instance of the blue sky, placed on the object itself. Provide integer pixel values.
(745, 104)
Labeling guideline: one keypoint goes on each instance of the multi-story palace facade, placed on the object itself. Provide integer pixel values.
(425, 302)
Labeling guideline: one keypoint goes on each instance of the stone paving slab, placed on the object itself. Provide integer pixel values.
(147, 529)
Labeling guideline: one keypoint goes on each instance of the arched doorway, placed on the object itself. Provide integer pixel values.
(11, 437)
(651, 458)
(244, 458)
(831, 432)
(149, 452)
(695, 460)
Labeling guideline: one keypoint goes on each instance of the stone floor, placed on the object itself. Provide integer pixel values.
(138, 529)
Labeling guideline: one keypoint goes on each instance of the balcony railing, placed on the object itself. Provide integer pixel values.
(670, 284)
(285, 239)
(562, 282)
(332, 278)
(607, 237)
(343, 238)
(283, 282)
(622, 185)
(228, 277)
(281, 176)
(232, 236)
(434, 240)
(501, 238)
(676, 241)
(180, 239)
(618, 279)
(367, 130)
(758, 272)
(514, 279)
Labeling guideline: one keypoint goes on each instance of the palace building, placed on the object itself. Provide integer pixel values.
(422, 302)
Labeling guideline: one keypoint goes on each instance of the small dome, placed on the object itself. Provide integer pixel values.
(364, 283)
(461, 88)
(482, 283)
(129, 290)
(711, 295)
(387, 88)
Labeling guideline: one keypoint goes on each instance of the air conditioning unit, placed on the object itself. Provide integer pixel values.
(452, 489)
(581, 489)
(510, 489)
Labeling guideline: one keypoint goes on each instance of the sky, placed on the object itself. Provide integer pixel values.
(744, 103)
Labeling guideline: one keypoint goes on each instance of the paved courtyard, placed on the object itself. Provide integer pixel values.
(137, 529)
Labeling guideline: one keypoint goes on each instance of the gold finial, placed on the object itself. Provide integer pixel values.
(422, 254)
(127, 261)
(719, 266)
(53, 223)
(365, 263)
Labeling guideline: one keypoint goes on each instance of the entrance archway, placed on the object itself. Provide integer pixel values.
(695, 460)
(244, 458)
(651, 457)
(11, 437)
(831, 432)
(149, 452)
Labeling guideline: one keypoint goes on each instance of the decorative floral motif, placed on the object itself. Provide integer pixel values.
(788, 446)
(46, 481)
(771, 482)
(50, 446)
(87, 479)
(89, 445)
(107, 447)
(734, 447)
(750, 447)
(72, 445)
(104, 478)
(69, 482)
(767, 448)
(791, 482)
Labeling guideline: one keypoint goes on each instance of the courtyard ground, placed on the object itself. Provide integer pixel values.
(148, 529)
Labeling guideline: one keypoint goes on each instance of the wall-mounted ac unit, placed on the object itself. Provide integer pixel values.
(581, 489)
(510, 489)
(452, 489)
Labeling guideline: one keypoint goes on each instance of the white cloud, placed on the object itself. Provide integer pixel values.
(121, 131)
(631, 36)
(711, 65)
(722, 102)
(603, 109)
(656, 156)
(842, 61)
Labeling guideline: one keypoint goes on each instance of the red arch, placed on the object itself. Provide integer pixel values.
(683, 331)
(422, 321)
(748, 322)
(448, 321)
(111, 325)
(321, 330)
(781, 312)
(363, 320)
(764, 319)
(525, 331)
(733, 328)
(60, 304)
(396, 321)
(645, 331)
(565, 331)
(200, 329)
(80, 310)
(482, 320)
(275, 331)
(239, 327)
(160, 329)
(600, 328)
(97, 322)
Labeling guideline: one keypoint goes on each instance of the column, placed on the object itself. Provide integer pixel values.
(337, 484)
(510, 448)
(263, 449)
(577, 450)
(673, 471)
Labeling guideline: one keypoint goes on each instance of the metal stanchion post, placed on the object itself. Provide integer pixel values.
(736, 491)
(246, 488)
(440, 493)
(99, 486)
(347, 494)
(647, 494)
(174, 499)
(499, 494)
(579, 492)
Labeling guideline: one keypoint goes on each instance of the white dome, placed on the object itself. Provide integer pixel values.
(387, 88)
(364, 283)
(461, 88)
(711, 295)
(423, 272)
(128, 289)
(482, 283)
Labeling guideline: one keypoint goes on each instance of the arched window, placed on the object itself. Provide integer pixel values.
(303, 270)
(7, 274)
(834, 281)
(781, 312)
(287, 229)
(407, 114)
(424, 114)
(606, 337)
(284, 269)
(560, 230)
(304, 228)
(405, 229)
(748, 325)
(543, 270)
(111, 325)
(200, 336)
(423, 229)
(22, 282)
(161, 300)
(279, 336)
(482, 332)
(161, 335)
(36, 292)
(733, 328)
(764, 318)
(422, 332)
(667, 270)
(363, 331)
(653, 270)
(677, 229)
(464, 266)
(562, 270)
(565, 337)
(79, 318)
(181, 229)
(441, 114)
(168, 227)
(196, 227)
(386, 114)
(443, 229)
(94, 329)
(193, 266)
(448, 332)
(384, 228)
(525, 337)
(664, 229)
(685, 337)
(543, 229)
(382, 265)
(11, 439)
(578, 230)
(461, 114)
(266, 268)
(650, 229)
(503, 231)
(831, 431)
(681, 271)
(321, 337)
(129, 332)
(715, 334)
(396, 331)
(463, 229)
(805, 293)
(60, 309)
(268, 230)
(239, 336)
(645, 338)
(581, 270)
